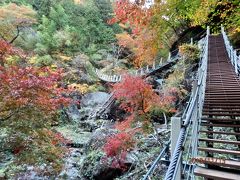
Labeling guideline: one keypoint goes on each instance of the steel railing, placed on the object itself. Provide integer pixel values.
(156, 161)
(232, 54)
(192, 117)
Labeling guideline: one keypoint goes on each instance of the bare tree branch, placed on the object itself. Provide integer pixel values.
(18, 32)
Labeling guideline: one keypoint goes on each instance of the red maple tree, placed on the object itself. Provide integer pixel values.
(7, 49)
(117, 147)
(30, 98)
(29, 86)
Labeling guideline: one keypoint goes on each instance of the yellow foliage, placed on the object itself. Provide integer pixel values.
(82, 88)
(65, 58)
(12, 60)
(123, 25)
(201, 14)
(33, 60)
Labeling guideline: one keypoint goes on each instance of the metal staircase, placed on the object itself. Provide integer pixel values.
(208, 145)
(219, 139)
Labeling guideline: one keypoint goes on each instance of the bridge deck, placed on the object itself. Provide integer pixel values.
(220, 129)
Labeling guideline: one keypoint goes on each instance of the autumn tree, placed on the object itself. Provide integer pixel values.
(13, 19)
(29, 100)
(6, 49)
(117, 147)
(143, 40)
(139, 100)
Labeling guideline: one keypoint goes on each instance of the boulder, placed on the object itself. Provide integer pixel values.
(99, 138)
(94, 99)
(72, 111)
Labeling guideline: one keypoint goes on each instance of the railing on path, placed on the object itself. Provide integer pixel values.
(232, 54)
(140, 72)
(151, 69)
(191, 117)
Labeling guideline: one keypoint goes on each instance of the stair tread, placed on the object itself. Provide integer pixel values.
(222, 110)
(220, 125)
(207, 107)
(219, 119)
(217, 161)
(221, 151)
(220, 132)
(219, 141)
(215, 174)
(219, 114)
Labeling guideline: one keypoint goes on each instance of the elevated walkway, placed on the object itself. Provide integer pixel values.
(221, 113)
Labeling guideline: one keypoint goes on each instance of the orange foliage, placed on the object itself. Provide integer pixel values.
(34, 87)
(134, 14)
(142, 45)
(142, 41)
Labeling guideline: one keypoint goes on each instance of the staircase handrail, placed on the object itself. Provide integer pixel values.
(196, 101)
(232, 53)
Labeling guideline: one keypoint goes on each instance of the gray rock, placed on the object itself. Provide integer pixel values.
(94, 99)
(132, 158)
(71, 167)
(99, 137)
(73, 111)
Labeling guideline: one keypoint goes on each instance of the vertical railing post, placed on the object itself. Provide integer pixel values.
(176, 124)
(238, 59)
(222, 29)
(161, 61)
(147, 69)
(235, 61)
(154, 65)
(208, 31)
(169, 56)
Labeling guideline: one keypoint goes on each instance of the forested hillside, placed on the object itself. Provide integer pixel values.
(59, 119)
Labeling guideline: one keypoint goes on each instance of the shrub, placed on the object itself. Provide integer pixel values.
(190, 53)
(117, 147)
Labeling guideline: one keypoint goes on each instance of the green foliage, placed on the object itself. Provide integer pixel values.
(80, 28)
(156, 112)
(45, 60)
(46, 32)
(91, 163)
(67, 27)
(190, 53)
